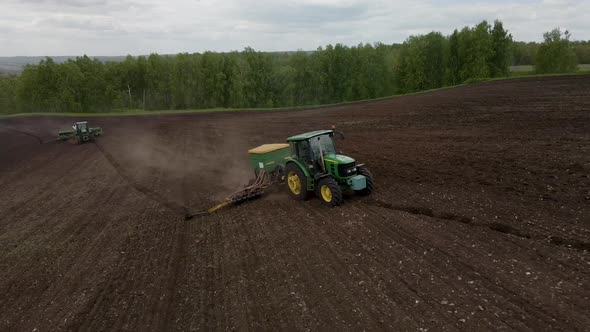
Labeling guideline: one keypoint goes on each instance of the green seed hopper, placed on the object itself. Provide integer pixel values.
(270, 158)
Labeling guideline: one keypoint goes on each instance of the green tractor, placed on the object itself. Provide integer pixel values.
(81, 133)
(309, 163)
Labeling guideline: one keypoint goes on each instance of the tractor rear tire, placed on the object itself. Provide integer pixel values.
(369, 177)
(297, 182)
(329, 191)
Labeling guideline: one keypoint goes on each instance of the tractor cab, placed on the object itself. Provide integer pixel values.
(82, 131)
(311, 148)
(322, 145)
(81, 127)
(316, 150)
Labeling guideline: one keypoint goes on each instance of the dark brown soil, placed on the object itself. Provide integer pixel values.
(480, 219)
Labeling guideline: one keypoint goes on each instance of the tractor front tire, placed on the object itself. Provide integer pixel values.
(297, 182)
(369, 177)
(329, 191)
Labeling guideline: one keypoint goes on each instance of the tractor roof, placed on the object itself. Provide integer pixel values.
(302, 137)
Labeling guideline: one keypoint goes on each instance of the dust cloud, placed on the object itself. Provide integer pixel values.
(208, 161)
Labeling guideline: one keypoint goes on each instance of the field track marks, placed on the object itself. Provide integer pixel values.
(171, 205)
(178, 258)
(376, 264)
(65, 229)
(495, 226)
(206, 276)
(43, 189)
(267, 267)
(38, 138)
(499, 287)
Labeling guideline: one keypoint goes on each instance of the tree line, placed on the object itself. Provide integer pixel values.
(525, 53)
(251, 79)
(433, 60)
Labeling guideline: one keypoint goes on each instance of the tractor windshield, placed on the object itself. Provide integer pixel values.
(323, 143)
(82, 126)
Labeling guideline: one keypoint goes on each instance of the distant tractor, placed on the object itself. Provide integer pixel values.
(309, 163)
(81, 133)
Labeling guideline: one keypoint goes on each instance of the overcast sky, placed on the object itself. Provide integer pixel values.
(120, 27)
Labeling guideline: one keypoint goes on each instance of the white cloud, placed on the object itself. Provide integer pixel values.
(115, 27)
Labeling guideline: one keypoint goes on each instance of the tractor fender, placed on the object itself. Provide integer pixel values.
(310, 184)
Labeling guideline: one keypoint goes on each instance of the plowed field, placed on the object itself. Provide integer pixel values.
(480, 219)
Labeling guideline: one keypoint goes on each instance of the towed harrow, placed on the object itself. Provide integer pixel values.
(251, 191)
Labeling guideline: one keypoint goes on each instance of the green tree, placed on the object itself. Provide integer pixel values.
(159, 82)
(258, 87)
(453, 75)
(8, 103)
(582, 49)
(556, 53)
(70, 84)
(95, 92)
(501, 51)
(524, 53)
(422, 62)
(306, 78)
(37, 89)
(475, 52)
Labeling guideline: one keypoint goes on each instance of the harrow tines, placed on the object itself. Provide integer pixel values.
(254, 190)
(251, 191)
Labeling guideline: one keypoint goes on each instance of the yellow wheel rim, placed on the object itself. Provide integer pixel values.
(294, 183)
(326, 193)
